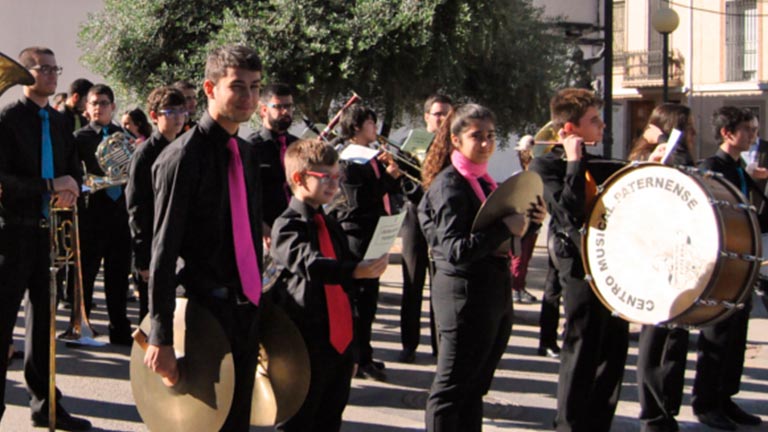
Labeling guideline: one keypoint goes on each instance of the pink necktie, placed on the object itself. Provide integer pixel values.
(337, 302)
(245, 253)
(387, 205)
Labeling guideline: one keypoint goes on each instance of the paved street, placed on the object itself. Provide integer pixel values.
(95, 380)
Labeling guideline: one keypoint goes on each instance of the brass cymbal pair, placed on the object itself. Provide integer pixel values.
(202, 398)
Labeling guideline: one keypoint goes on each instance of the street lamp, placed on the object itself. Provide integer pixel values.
(665, 21)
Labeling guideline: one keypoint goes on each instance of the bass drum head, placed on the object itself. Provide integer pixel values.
(652, 243)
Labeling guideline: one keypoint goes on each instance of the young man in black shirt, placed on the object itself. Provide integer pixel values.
(208, 211)
(721, 346)
(104, 232)
(38, 159)
(167, 111)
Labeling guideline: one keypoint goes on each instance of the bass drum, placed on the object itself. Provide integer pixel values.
(671, 246)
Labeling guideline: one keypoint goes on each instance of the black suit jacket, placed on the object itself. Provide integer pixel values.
(274, 190)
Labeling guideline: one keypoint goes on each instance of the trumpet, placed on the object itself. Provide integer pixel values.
(408, 164)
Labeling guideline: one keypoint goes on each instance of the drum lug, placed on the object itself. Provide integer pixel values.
(729, 255)
(729, 305)
(746, 207)
(752, 258)
(708, 302)
(588, 278)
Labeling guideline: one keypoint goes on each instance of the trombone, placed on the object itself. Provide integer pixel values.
(409, 165)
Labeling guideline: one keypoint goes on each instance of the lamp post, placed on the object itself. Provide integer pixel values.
(665, 21)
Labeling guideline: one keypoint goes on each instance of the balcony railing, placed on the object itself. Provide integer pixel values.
(644, 69)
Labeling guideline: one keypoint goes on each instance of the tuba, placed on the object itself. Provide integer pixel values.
(113, 155)
(12, 73)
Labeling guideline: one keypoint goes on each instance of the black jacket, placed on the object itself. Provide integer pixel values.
(274, 190)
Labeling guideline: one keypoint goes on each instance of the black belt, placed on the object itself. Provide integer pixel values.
(27, 222)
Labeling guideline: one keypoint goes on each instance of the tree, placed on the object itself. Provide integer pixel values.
(394, 53)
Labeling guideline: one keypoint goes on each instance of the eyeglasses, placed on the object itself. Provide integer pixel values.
(325, 178)
(47, 69)
(173, 112)
(100, 103)
(438, 114)
(279, 107)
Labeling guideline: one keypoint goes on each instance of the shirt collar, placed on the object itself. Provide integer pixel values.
(304, 209)
(209, 127)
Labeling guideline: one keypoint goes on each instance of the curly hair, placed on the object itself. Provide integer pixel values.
(438, 156)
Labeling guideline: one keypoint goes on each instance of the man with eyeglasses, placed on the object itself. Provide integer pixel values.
(74, 106)
(167, 110)
(270, 143)
(38, 160)
(104, 232)
(415, 253)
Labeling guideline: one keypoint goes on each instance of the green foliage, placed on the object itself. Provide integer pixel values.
(394, 53)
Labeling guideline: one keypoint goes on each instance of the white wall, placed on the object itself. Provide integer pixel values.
(51, 23)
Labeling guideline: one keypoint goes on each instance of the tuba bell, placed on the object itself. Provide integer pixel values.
(12, 73)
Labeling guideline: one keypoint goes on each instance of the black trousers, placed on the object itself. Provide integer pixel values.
(105, 235)
(720, 361)
(241, 325)
(24, 267)
(331, 379)
(661, 374)
(549, 318)
(366, 303)
(474, 319)
(592, 359)
(415, 263)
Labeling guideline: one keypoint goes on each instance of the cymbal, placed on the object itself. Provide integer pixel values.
(12, 73)
(283, 373)
(202, 398)
(514, 196)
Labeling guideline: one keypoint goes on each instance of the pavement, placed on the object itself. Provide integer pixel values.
(522, 398)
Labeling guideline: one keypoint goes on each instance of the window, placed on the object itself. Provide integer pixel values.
(619, 10)
(741, 46)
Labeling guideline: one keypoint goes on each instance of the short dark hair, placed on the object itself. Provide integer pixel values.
(352, 119)
(25, 56)
(230, 56)
(163, 97)
(274, 89)
(306, 154)
(102, 89)
(436, 98)
(570, 105)
(184, 85)
(729, 118)
(80, 87)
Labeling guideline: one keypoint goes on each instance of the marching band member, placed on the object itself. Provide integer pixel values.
(167, 111)
(415, 252)
(366, 188)
(271, 142)
(721, 347)
(313, 250)
(595, 344)
(190, 96)
(662, 351)
(38, 158)
(104, 231)
(471, 289)
(208, 212)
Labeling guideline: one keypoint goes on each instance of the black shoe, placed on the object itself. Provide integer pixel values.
(716, 419)
(739, 416)
(369, 371)
(122, 337)
(378, 365)
(64, 421)
(407, 355)
(551, 351)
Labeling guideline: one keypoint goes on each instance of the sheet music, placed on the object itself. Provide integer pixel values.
(384, 236)
(358, 154)
(674, 138)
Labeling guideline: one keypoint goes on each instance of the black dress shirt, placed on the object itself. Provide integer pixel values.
(274, 190)
(140, 198)
(20, 157)
(193, 221)
(296, 250)
(729, 167)
(363, 202)
(74, 120)
(446, 214)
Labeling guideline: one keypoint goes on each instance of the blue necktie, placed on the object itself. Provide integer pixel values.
(743, 185)
(46, 158)
(113, 192)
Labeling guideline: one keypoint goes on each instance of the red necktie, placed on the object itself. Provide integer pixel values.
(339, 311)
(387, 205)
(245, 253)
